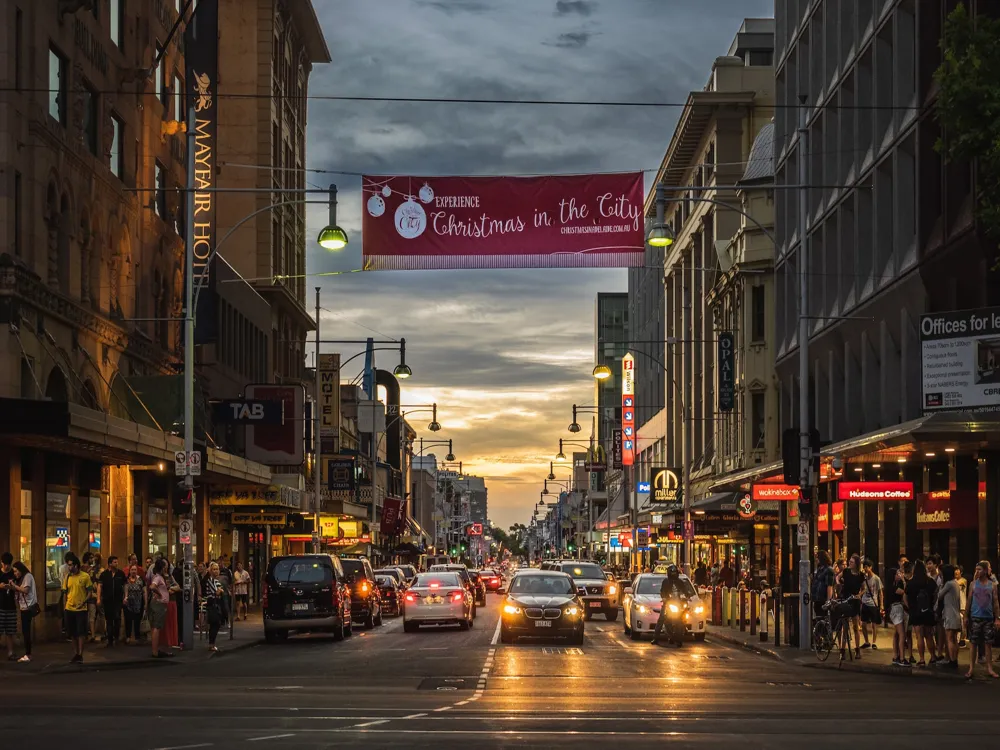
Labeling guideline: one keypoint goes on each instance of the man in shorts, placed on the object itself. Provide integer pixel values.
(77, 591)
(8, 604)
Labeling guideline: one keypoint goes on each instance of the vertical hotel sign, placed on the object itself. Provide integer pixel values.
(329, 402)
(201, 58)
(628, 409)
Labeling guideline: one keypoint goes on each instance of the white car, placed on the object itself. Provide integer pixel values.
(641, 606)
(437, 598)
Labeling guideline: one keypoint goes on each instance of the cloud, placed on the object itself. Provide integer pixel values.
(580, 7)
(571, 40)
(504, 353)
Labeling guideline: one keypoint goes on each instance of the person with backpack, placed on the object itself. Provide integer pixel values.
(853, 583)
(822, 584)
(920, 599)
(897, 614)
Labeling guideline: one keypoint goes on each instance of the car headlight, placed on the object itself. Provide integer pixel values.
(643, 609)
(699, 609)
(674, 608)
(612, 589)
(510, 609)
(572, 611)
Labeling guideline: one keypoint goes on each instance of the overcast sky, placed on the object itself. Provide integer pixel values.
(505, 354)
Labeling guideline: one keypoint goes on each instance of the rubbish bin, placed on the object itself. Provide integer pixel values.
(790, 616)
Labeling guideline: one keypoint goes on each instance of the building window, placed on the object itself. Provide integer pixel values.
(760, 57)
(757, 310)
(90, 108)
(158, 86)
(117, 18)
(25, 546)
(89, 524)
(178, 96)
(18, 229)
(57, 543)
(117, 163)
(57, 86)
(160, 201)
(757, 420)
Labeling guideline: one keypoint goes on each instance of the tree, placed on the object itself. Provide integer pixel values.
(968, 106)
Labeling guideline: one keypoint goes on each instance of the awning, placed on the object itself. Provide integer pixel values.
(274, 496)
(71, 429)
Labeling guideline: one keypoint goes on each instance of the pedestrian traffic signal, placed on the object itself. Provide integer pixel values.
(571, 546)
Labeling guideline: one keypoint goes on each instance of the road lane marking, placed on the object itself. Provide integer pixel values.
(496, 633)
(270, 737)
(413, 716)
(443, 708)
(369, 724)
(185, 747)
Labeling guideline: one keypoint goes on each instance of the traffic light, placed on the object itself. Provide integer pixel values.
(571, 547)
(182, 500)
(464, 546)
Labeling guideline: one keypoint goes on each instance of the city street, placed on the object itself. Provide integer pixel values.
(389, 689)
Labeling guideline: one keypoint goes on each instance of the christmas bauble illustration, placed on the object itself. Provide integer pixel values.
(426, 193)
(386, 191)
(376, 206)
(411, 221)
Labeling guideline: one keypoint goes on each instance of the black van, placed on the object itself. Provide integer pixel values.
(306, 593)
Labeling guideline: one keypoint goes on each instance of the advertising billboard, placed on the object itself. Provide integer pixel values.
(278, 445)
(566, 221)
(887, 491)
(960, 360)
(628, 410)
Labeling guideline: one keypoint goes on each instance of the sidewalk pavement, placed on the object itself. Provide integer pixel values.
(53, 657)
(873, 661)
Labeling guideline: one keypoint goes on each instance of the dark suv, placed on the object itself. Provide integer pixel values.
(306, 593)
(366, 598)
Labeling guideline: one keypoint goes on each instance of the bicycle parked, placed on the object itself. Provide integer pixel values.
(833, 628)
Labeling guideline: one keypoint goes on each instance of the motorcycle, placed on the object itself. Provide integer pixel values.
(677, 615)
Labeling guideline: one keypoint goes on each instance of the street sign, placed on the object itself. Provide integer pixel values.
(249, 411)
(194, 463)
(803, 534)
(642, 537)
(186, 527)
(180, 463)
(689, 530)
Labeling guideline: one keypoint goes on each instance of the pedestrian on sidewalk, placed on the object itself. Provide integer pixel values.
(111, 595)
(241, 588)
(872, 604)
(983, 611)
(949, 602)
(963, 591)
(27, 603)
(897, 616)
(77, 591)
(159, 598)
(95, 612)
(133, 601)
(934, 573)
(215, 603)
(852, 584)
(920, 598)
(8, 603)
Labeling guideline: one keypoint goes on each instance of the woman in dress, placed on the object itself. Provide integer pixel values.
(27, 602)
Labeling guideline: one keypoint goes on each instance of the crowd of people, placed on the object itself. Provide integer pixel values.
(929, 604)
(96, 600)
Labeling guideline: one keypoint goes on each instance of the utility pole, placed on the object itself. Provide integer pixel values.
(805, 449)
(317, 444)
(187, 636)
(688, 545)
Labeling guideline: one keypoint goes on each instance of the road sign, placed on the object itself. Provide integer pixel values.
(186, 527)
(194, 463)
(689, 530)
(803, 534)
(180, 463)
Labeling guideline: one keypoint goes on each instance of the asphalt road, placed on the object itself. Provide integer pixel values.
(452, 689)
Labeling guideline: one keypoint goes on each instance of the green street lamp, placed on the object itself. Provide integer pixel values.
(602, 372)
(402, 370)
(660, 235)
(332, 237)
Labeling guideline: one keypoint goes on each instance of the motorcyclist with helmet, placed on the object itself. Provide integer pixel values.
(671, 588)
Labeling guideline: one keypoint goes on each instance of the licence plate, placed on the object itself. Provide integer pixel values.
(433, 599)
(594, 605)
(543, 623)
(300, 607)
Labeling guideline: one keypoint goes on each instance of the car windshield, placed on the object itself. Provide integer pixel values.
(551, 584)
(353, 568)
(437, 580)
(584, 570)
(302, 571)
(650, 586)
(474, 575)
(384, 580)
(394, 573)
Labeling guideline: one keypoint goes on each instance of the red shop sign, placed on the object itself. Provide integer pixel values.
(625, 538)
(957, 509)
(823, 520)
(875, 491)
(785, 492)
(569, 221)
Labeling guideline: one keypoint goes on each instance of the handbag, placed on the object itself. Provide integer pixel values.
(35, 609)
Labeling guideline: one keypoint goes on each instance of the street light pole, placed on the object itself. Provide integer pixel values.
(805, 449)
(187, 620)
(317, 445)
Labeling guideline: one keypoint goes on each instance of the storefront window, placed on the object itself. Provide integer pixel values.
(157, 535)
(25, 551)
(57, 542)
(89, 524)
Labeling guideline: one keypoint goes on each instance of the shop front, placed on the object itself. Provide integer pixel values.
(739, 532)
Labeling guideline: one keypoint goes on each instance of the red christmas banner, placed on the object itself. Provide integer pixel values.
(577, 221)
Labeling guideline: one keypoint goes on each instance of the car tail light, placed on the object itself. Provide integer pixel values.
(411, 598)
(263, 596)
(457, 596)
(364, 587)
(335, 599)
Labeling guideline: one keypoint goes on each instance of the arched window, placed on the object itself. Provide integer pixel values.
(55, 386)
(88, 396)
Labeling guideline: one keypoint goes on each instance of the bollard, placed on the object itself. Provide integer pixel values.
(743, 610)
(763, 617)
(776, 603)
(753, 614)
(723, 595)
(732, 608)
